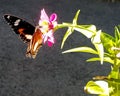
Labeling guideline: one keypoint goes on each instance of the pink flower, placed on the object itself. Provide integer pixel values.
(47, 25)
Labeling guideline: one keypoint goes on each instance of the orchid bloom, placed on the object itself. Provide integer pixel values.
(47, 25)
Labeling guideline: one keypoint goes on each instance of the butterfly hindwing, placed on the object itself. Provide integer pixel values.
(21, 27)
(35, 43)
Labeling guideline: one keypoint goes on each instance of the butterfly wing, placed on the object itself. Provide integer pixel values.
(24, 29)
(35, 43)
(30, 34)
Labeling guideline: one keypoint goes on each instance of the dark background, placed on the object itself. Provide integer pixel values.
(52, 73)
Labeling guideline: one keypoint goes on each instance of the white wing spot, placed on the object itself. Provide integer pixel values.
(17, 22)
(28, 36)
(8, 16)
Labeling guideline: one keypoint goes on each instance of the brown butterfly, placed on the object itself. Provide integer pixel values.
(28, 33)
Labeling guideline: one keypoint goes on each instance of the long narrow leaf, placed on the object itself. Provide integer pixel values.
(106, 59)
(88, 30)
(67, 34)
(76, 17)
(81, 49)
(96, 40)
(117, 32)
(70, 29)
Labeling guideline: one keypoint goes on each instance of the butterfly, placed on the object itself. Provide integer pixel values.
(30, 34)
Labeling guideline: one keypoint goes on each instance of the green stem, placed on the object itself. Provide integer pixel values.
(63, 25)
(79, 26)
(115, 70)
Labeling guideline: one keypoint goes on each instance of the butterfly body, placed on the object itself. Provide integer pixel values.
(27, 32)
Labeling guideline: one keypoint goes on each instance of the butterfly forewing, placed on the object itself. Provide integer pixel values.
(30, 34)
(21, 27)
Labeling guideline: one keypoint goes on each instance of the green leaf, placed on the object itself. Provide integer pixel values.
(67, 34)
(96, 40)
(117, 36)
(70, 29)
(81, 49)
(108, 42)
(106, 59)
(93, 59)
(88, 30)
(117, 32)
(97, 87)
(100, 50)
(114, 72)
(109, 60)
(76, 18)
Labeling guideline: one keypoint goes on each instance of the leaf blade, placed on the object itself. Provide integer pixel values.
(81, 49)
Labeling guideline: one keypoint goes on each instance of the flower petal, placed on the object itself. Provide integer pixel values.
(51, 41)
(44, 16)
(53, 17)
(50, 44)
(45, 38)
(48, 37)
